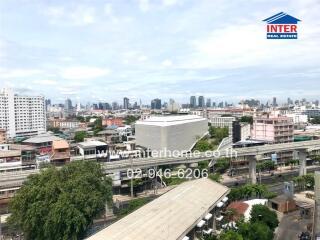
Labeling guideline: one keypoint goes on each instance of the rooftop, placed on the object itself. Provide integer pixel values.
(10, 153)
(60, 144)
(91, 143)
(170, 120)
(42, 138)
(169, 217)
(22, 147)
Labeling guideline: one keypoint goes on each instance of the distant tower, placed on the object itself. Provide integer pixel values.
(208, 103)
(201, 101)
(125, 103)
(67, 108)
(193, 102)
(274, 102)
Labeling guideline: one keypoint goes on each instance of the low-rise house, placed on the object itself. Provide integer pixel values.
(60, 152)
(92, 149)
(118, 121)
(43, 142)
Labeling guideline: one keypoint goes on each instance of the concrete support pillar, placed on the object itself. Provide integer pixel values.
(252, 169)
(214, 223)
(303, 162)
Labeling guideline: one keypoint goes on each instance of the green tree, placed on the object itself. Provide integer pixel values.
(203, 145)
(132, 206)
(247, 119)
(80, 118)
(60, 203)
(230, 235)
(203, 165)
(263, 214)
(303, 182)
(315, 120)
(221, 165)
(215, 177)
(128, 120)
(80, 136)
(255, 231)
(55, 130)
(218, 133)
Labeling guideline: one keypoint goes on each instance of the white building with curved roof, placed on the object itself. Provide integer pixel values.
(170, 132)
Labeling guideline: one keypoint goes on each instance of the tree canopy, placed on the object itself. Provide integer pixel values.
(230, 235)
(263, 214)
(247, 119)
(218, 133)
(255, 231)
(60, 203)
(79, 136)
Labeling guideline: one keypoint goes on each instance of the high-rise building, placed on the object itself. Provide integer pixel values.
(125, 103)
(201, 101)
(22, 115)
(193, 102)
(47, 103)
(115, 106)
(156, 103)
(274, 102)
(68, 108)
(208, 103)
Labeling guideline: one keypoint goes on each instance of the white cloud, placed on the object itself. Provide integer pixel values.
(45, 82)
(78, 16)
(167, 63)
(84, 72)
(144, 5)
(142, 58)
(169, 2)
(18, 73)
(108, 9)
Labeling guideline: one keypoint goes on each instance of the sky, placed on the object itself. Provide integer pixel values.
(95, 50)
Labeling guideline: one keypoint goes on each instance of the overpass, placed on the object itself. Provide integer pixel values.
(253, 154)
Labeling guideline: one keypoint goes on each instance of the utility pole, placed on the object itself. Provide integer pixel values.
(131, 180)
(0, 228)
(316, 222)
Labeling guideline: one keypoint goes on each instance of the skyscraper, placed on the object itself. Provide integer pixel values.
(115, 106)
(274, 102)
(208, 103)
(201, 101)
(67, 108)
(193, 102)
(156, 103)
(125, 103)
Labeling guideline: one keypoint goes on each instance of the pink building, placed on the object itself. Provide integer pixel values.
(273, 129)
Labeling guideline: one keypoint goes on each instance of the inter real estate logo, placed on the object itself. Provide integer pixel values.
(282, 26)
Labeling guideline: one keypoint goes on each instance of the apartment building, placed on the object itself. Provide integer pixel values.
(21, 115)
(273, 129)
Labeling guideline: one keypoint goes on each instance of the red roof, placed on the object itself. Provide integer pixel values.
(239, 207)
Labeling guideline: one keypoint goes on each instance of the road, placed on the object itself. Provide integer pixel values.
(291, 226)
(267, 178)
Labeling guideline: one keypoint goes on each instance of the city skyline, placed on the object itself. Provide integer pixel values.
(143, 49)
